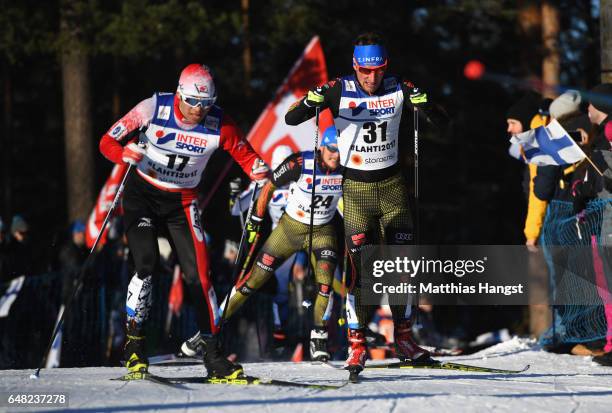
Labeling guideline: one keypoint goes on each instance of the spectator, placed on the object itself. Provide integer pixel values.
(596, 185)
(522, 116)
(71, 257)
(17, 250)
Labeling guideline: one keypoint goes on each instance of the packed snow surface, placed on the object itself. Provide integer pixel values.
(554, 383)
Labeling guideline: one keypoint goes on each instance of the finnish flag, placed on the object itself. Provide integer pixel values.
(549, 145)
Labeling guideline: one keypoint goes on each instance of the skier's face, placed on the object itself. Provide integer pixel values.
(331, 159)
(193, 114)
(370, 79)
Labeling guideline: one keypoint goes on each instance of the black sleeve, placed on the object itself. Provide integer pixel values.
(288, 171)
(434, 114)
(299, 112)
(546, 181)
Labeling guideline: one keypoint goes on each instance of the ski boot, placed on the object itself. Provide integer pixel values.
(358, 354)
(136, 361)
(605, 359)
(192, 346)
(318, 345)
(406, 348)
(279, 345)
(375, 339)
(216, 365)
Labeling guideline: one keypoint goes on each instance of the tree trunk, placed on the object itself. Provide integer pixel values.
(529, 20)
(77, 117)
(246, 51)
(550, 40)
(7, 149)
(605, 30)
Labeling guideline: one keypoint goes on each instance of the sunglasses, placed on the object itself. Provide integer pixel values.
(195, 102)
(333, 149)
(367, 71)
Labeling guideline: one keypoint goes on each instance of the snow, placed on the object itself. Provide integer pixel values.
(554, 383)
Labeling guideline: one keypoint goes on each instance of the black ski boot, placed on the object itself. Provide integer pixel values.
(318, 345)
(216, 364)
(605, 359)
(192, 346)
(136, 361)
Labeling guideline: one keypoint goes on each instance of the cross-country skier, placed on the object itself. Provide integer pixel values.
(183, 129)
(367, 107)
(292, 232)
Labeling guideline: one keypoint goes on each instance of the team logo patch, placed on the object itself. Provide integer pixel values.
(196, 223)
(117, 130)
(163, 112)
(211, 122)
(349, 86)
(358, 239)
(403, 236)
(328, 253)
(267, 259)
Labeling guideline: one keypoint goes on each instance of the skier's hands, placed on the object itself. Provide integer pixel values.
(133, 153)
(252, 227)
(418, 98)
(260, 173)
(235, 185)
(316, 96)
(234, 190)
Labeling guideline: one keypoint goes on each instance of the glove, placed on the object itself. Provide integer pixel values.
(252, 227)
(316, 96)
(132, 153)
(235, 185)
(418, 98)
(260, 172)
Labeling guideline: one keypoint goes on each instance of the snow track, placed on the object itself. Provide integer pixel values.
(556, 383)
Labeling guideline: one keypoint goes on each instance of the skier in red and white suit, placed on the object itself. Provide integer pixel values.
(183, 129)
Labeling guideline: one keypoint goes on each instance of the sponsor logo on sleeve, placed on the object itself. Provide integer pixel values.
(118, 130)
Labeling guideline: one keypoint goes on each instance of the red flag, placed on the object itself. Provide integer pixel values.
(103, 204)
(270, 130)
(175, 297)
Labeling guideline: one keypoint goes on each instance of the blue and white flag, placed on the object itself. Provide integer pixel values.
(549, 145)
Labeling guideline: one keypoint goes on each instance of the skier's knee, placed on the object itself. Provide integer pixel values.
(267, 262)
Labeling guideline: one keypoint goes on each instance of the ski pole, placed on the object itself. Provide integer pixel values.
(312, 193)
(77, 286)
(236, 269)
(416, 195)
